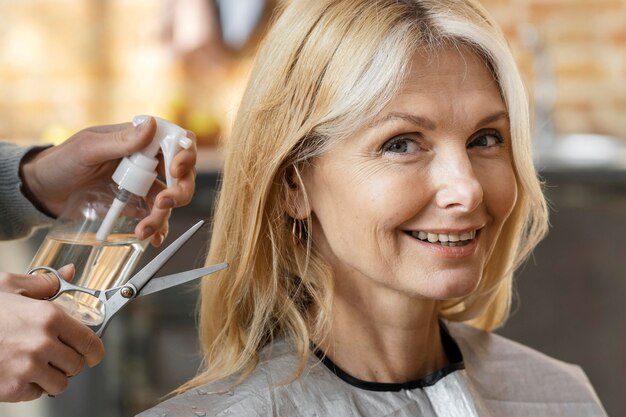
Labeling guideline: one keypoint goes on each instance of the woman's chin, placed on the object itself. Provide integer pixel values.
(447, 288)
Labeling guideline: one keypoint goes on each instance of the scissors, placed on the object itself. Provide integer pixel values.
(142, 283)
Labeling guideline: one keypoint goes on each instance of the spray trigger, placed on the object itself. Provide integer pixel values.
(170, 145)
(136, 173)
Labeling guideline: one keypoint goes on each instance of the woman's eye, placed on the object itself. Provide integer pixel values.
(400, 145)
(486, 140)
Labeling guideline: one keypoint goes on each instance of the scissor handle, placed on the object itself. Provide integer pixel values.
(114, 299)
(65, 286)
(101, 295)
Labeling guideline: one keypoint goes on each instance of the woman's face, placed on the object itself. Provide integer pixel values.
(414, 202)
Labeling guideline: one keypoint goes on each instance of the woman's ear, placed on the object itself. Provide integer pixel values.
(297, 205)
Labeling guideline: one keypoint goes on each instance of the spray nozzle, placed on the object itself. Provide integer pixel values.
(136, 173)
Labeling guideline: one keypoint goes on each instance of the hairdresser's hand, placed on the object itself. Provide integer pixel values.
(40, 345)
(50, 176)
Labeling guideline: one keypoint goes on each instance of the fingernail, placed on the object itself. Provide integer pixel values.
(140, 119)
(67, 270)
(147, 232)
(166, 203)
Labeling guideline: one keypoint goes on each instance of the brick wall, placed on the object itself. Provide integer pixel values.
(66, 65)
(585, 42)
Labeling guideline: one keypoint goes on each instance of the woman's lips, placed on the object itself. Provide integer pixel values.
(445, 239)
(451, 245)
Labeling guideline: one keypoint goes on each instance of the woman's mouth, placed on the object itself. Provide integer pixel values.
(444, 239)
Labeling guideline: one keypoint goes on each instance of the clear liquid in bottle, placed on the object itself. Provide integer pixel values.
(99, 265)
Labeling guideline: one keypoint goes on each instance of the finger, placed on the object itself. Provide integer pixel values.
(192, 150)
(158, 238)
(82, 340)
(155, 225)
(66, 359)
(35, 369)
(157, 217)
(38, 286)
(51, 380)
(48, 283)
(183, 163)
(67, 272)
(161, 165)
(162, 197)
(114, 144)
(191, 135)
(179, 195)
(186, 159)
(28, 392)
(13, 390)
(109, 128)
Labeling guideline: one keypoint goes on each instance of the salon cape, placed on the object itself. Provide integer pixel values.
(488, 376)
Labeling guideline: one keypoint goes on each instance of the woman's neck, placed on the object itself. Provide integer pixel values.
(386, 339)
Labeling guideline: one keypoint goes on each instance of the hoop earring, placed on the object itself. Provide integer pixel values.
(297, 231)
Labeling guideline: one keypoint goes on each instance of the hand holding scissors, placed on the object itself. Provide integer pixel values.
(140, 284)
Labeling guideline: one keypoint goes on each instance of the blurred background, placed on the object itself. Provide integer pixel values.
(66, 65)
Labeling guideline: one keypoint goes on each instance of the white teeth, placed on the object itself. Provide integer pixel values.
(442, 237)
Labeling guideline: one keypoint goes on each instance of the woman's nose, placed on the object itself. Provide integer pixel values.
(457, 185)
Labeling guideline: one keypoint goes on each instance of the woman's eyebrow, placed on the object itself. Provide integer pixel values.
(428, 124)
(423, 122)
(492, 118)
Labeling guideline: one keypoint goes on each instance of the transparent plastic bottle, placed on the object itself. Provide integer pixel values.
(100, 264)
(96, 230)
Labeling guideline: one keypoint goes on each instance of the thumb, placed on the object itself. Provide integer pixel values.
(114, 144)
(45, 285)
(67, 272)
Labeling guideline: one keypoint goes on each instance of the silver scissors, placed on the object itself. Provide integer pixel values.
(142, 283)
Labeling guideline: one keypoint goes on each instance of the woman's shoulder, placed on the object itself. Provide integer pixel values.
(227, 397)
(483, 350)
(505, 371)
(214, 399)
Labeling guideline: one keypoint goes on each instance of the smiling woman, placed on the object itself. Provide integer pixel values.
(437, 163)
(378, 193)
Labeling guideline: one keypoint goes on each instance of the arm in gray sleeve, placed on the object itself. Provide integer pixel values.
(18, 216)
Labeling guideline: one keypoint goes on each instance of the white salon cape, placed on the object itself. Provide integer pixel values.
(489, 376)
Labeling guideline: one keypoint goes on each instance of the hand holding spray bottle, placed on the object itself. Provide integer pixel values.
(95, 230)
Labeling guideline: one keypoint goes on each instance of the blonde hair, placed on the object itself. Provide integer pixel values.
(325, 69)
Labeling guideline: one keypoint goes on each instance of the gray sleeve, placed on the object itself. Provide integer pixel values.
(18, 216)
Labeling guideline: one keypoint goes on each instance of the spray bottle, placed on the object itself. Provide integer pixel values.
(95, 230)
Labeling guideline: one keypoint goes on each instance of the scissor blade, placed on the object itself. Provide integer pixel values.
(168, 281)
(141, 278)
